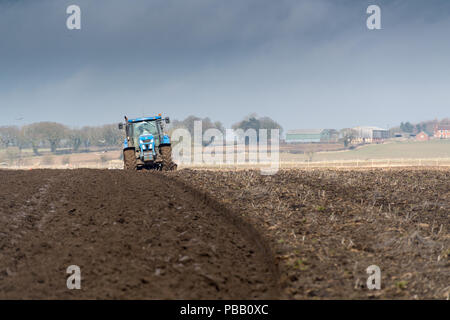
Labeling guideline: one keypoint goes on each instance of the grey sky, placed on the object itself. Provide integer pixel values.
(305, 63)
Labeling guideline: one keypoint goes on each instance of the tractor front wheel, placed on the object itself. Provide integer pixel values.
(129, 160)
(167, 163)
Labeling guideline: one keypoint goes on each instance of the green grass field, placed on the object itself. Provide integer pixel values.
(389, 150)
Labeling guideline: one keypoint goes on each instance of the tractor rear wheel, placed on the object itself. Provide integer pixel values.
(167, 163)
(129, 160)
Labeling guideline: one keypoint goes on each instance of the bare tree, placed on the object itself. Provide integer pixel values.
(9, 136)
(38, 133)
(33, 136)
(254, 122)
(75, 138)
(188, 124)
(348, 135)
(53, 133)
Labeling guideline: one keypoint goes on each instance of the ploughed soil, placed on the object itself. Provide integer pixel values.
(134, 235)
(298, 234)
(326, 227)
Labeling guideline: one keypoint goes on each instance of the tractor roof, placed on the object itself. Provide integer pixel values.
(144, 119)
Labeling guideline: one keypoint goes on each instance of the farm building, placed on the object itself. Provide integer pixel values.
(312, 135)
(370, 134)
(380, 134)
(442, 131)
(303, 135)
(422, 136)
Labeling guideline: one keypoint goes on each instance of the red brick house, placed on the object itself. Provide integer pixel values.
(422, 136)
(442, 131)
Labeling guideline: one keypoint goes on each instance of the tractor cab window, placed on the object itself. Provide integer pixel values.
(145, 128)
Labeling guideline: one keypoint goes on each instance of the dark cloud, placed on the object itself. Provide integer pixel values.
(303, 62)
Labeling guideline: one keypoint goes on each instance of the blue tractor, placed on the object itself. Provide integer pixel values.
(146, 144)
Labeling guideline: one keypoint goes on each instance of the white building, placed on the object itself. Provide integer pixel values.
(370, 134)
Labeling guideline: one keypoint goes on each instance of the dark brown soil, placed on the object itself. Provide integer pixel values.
(133, 234)
(327, 226)
(211, 234)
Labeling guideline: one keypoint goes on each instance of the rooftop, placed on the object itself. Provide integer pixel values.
(305, 131)
(368, 128)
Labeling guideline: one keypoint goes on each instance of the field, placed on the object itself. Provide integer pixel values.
(388, 150)
(327, 226)
(389, 154)
(299, 234)
(92, 158)
(127, 242)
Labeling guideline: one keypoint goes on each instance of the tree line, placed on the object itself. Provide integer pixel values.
(54, 136)
(425, 126)
(252, 121)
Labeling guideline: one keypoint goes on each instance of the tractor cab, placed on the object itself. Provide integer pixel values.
(144, 129)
